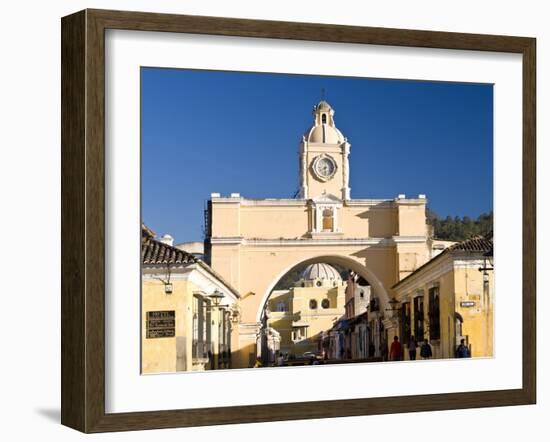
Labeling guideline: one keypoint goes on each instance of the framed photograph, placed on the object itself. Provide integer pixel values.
(266, 221)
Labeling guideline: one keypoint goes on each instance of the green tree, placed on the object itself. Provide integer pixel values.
(459, 229)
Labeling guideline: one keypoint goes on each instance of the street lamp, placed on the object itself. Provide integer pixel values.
(216, 297)
(487, 265)
(235, 313)
(393, 303)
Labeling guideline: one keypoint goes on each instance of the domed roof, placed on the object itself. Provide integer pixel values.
(323, 106)
(325, 134)
(320, 271)
(324, 130)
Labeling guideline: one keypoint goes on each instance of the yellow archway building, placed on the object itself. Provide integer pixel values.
(254, 242)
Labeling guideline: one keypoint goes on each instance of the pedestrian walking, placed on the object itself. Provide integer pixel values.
(395, 349)
(384, 351)
(462, 350)
(371, 350)
(426, 350)
(412, 348)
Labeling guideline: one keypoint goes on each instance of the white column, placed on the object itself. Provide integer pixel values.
(318, 219)
(303, 170)
(346, 191)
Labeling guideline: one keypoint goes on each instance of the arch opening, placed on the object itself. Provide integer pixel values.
(344, 263)
(316, 305)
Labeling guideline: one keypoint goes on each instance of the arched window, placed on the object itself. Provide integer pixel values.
(325, 303)
(313, 304)
(328, 220)
(324, 118)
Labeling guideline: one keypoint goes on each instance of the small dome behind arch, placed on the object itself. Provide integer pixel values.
(321, 271)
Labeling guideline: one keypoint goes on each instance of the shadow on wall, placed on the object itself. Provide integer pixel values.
(379, 225)
(244, 357)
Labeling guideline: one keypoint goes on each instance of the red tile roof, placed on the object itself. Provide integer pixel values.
(156, 252)
(477, 244)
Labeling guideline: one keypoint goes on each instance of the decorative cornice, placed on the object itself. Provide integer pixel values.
(373, 203)
(275, 202)
(409, 239)
(227, 200)
(326, 199)
(356, 202)
(227, 240)
(411, 201)
(316, 242)
(385, 242)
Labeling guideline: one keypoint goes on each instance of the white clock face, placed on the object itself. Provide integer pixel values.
(324, 167)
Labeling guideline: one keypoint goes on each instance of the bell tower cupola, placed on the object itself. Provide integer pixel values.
(324, 151)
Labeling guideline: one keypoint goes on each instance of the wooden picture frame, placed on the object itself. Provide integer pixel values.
(83, 220)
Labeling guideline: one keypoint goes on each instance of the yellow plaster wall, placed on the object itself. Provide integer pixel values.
(225, 259)
(225, 220)
(411, 220)
(280, 221)
(253, 268)
(161, 354)
(447, 317)
(478, 320)
(410, 257)
(368, 222)
(274, 221)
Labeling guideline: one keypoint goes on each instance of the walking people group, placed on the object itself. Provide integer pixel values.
(396, 350)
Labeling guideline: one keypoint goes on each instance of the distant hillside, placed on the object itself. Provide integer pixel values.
(459, 229)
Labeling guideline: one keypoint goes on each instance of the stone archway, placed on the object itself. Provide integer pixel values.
(342, 261)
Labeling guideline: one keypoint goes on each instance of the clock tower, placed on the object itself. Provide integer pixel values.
(324, 151)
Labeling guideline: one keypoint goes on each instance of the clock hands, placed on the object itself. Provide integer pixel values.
(324, 167)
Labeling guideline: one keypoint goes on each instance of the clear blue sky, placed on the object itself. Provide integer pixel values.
(205, 132)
